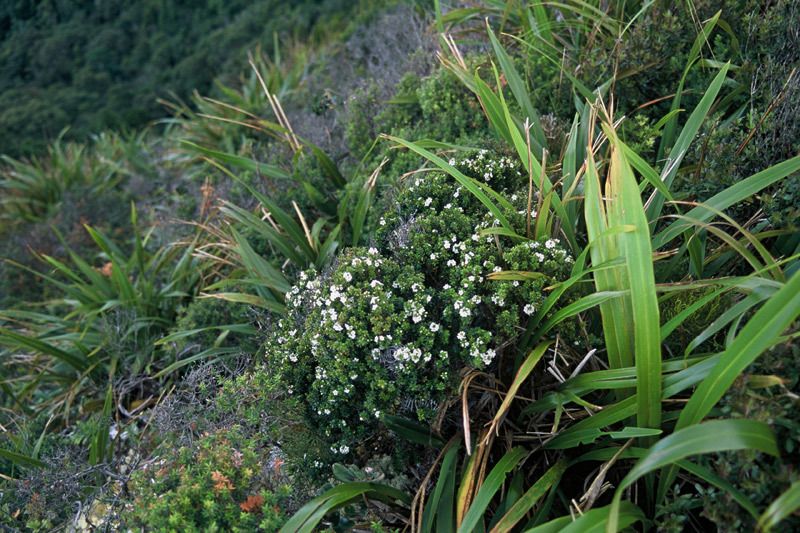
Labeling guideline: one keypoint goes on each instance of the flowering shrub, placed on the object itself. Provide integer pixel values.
(358, 340)
(387, 330)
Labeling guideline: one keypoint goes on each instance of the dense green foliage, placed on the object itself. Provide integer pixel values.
(517, 266)
(216, 484)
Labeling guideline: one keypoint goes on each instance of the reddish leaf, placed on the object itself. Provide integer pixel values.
(252, 504)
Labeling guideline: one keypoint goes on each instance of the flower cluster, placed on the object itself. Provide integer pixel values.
(357, 342)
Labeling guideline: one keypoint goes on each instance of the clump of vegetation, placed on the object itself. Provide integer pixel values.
(223, 482)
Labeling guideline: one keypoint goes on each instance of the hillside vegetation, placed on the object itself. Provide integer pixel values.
(499, 266)
(91, 66)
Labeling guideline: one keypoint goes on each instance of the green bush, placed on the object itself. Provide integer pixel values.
(202, 313)
(443, 95)
(224, 482)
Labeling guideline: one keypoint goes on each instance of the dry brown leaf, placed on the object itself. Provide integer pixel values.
(221, 482)
(252, 504)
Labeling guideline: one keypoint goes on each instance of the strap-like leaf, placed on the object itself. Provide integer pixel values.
(786, 504)
(489, 488)
(309, 516)
(713, 436)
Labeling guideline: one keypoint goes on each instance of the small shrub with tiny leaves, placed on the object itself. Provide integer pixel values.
(387, 330)
(207, 312)
(223, 482)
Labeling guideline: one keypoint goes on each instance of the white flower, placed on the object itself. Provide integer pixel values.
(343, 449)
(528, 309)
(549, 244)
(451, 262)
(434, 327)
(433, 257)
(348, 277)
(464, 312)
(428, 201)
(452, 161)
